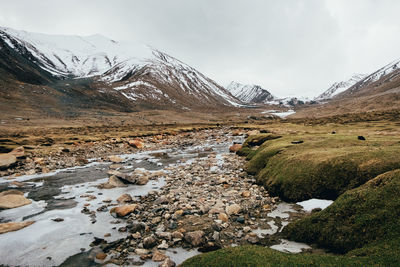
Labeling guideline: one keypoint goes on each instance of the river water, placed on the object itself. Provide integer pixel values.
(64, 193)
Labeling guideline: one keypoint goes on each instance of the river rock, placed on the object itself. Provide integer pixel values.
(142, 180)
(7, 160)
(233, 209)
(13, 226)
(158, 256)
(115, 159)
(246, 193)
(149, 242)
(167, 263)
(136, 143)
(101, 256)
(195, 238)
(124, 198)
(223, 217)
(116, 182)
(12, 199)
(122, 211)
(161, 200)
(18, 152)
(235, 148)
(177, 234)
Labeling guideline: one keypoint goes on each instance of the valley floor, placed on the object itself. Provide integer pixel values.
(136, 195)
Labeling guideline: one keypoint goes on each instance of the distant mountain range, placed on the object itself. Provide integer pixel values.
(97, 72)
(61, 75)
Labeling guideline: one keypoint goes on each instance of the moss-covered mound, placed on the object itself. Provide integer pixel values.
(260, 256)
(248, 147)
(322, 166)
(369, 214)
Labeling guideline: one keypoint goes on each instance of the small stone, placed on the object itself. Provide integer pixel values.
(115, 159)
(141, 251)
(136, 143)
(122, 211)
(101, 256)
(163, 245)
(142, 180)
(195, 238)
(235, 148)
(233, 209)
(114, 181)
(246, 193)
(240, 219)
(167, 263)
(124, 198)
(267, 207)
(149, 242)
(223, 217)
(136, 235)
(246, 229)
(58, 219)
(158, 256)
(161, 200)
(177, 234)
(107, 235)
(252, 238)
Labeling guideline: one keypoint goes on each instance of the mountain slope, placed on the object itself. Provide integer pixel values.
(379, 91)
(136, 76)
(340, 87)
(249, 93)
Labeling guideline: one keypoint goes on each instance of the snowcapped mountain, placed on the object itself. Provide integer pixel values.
(340, 87)
(138, 73)
(383, 75)
(249, 93)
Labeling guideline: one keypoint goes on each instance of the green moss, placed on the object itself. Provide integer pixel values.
(249, 146)
(260, 256)
(368, 215)
(324, 166)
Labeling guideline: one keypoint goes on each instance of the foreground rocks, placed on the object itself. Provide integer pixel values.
(208, 203)
(13, 226)
(10, 158)
(12, 199)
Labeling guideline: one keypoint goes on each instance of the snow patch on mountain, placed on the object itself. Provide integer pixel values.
(134, 70)
(249, 93)
(340, 87)
(79, 56)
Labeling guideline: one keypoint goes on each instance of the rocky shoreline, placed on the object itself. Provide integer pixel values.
(207, 202)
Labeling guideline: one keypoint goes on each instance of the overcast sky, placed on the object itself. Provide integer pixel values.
(291, 47)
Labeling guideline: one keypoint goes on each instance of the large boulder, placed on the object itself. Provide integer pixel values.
(7, 160)
(122, 211)
(13, 199)
(18, 152)
(13, 226)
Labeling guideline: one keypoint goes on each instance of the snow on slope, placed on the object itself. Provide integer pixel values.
(249, 93)
(340, 87)
(65, 55)
(115, 63)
